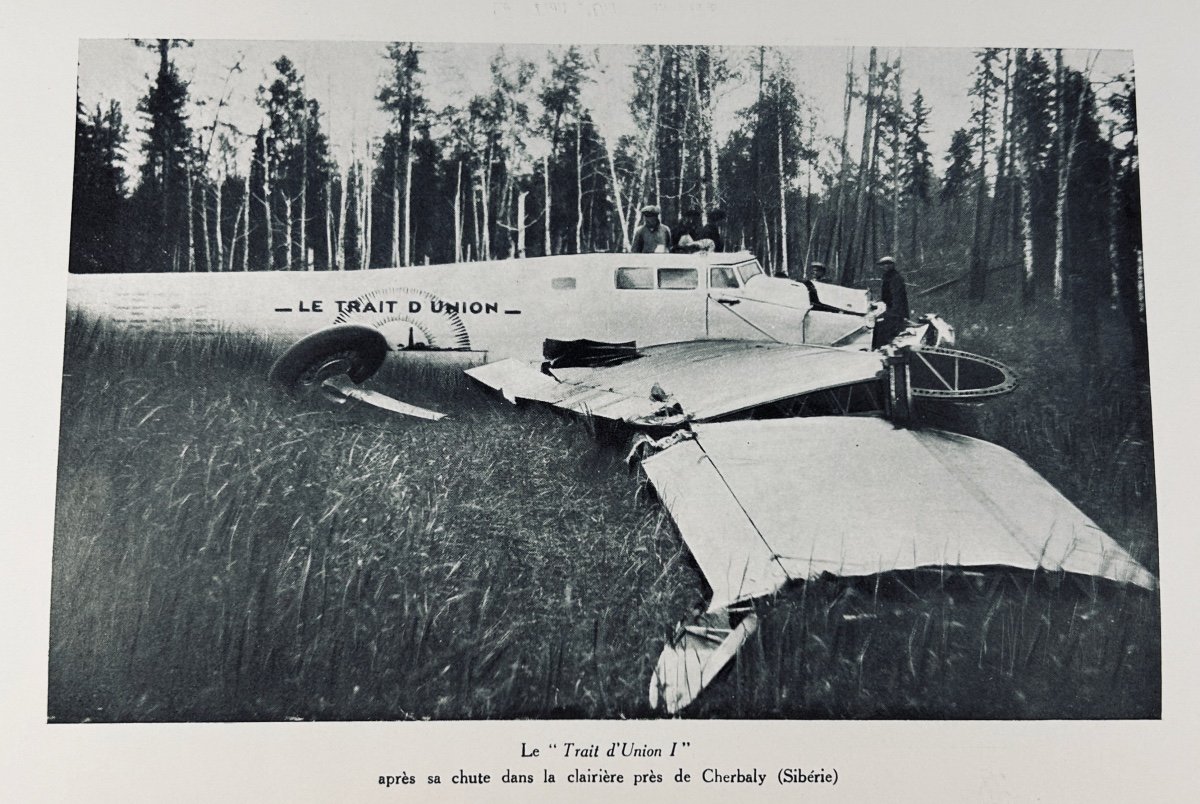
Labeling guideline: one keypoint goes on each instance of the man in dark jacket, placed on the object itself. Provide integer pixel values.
(894, 294)
(712, 230)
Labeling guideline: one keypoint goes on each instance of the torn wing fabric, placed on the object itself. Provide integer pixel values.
(707, 379)
(763, 502)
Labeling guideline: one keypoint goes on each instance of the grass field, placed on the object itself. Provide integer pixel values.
(220, 554)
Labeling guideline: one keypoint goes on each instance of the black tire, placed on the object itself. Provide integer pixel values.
(352, 349)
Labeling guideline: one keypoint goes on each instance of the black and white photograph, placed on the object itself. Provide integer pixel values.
(604, 391)
(829, 370)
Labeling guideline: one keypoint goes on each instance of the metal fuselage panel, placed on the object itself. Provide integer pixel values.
(505, 308)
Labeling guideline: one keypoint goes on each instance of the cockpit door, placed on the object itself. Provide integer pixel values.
(745, 304)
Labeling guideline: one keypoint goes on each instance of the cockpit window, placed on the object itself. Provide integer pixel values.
(749, 269)
(678, 278)
(722, 276)
(635, 278)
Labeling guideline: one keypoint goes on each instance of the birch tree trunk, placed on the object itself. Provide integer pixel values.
(191, 225)
(340, 237)
(546, 248)
(206, 239)
(233, 239)
(266, 200)
(246, 223)
(408, 163)
(783, 230)
(616, 190)
(289, 238)
(894, 244)
(458, 213)
(329, 263)
(485, 243)
(395, 252)
(579, 186)
(705, 126)
(219, 258)
(304, 264)
(519, 222)
(1065, 177)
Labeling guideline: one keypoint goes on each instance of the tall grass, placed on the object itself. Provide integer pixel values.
(221, 554)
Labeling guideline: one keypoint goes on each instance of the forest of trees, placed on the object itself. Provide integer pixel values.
(1042, 180)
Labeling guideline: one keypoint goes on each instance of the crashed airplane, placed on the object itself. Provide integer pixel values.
(728, 376)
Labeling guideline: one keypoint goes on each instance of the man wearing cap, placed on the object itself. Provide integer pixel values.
(712, 230)
(894, 293)
(818, 271)
(651, 236)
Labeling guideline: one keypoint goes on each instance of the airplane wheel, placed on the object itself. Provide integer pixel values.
(351, 349)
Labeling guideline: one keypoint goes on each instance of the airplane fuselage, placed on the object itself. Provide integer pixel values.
(501, 308)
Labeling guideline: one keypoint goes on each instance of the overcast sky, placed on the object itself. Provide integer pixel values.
(344, 77)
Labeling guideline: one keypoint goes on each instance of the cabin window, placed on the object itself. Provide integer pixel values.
(678, 278)
(563, 283)
(749, 269)
(635, 278)
(722, 276)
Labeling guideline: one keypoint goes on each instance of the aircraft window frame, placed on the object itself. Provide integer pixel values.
(682, 273)
(748, 264)
(729, 274)
(630, 278)
(562, 283)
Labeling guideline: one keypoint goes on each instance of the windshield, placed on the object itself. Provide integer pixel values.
(746, 270)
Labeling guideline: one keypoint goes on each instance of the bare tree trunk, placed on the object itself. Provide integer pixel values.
(519, 221)
(191, 225)
(809, 224)
(477, 218)
(458, 252)
(978, 270)
(616, 190)
(682, 155)
(1060, 148)
(233, 238)
(578, 187)
(546, 186)
(408, 165)
(246, 223)
(219, 259)
(784, 268)
(835, 237)
(395, 252)
(288, 233)
(268, 217)
(484, 201)
(705, 126)
(1001, 156)
(304, 263)
(206, 240)
(713, 151)
(894, 244)
(368, 215)
(1067, 141)
(340, 236)
(649, 140)
(1024, 181)
(329, 263)
(848, 267)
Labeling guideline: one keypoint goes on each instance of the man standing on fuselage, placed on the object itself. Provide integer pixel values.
(651, 237)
